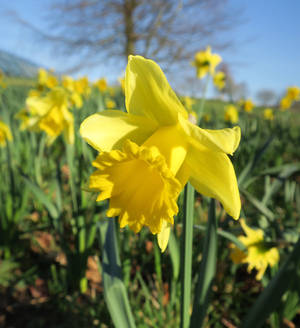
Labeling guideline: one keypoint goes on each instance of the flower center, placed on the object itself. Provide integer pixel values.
(142, 188)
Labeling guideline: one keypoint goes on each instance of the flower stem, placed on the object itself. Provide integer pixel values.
(186, 255)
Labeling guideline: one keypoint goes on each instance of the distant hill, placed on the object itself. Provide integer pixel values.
(13, 65)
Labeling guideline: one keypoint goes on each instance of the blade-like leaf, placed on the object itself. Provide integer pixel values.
(114, 289)
(207, 270)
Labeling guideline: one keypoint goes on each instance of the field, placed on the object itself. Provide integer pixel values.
(64, 264)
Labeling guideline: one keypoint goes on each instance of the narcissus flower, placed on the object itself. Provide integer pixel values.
(206, 62)
(82, 86)
(148, 154)
(5, 134)
(49, 114)
(268, 114)
(247, 105)
(219, 80)
(293, 93)
(46, 79)
(231, 114)
(109, 103)
(101, 84)
(258, 255)
(285, 103)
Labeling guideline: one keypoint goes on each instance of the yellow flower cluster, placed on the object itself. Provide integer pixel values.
(258, 254)
(148, 154)
(292, 95)
(48, 113)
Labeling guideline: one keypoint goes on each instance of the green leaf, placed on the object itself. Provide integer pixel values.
(186, 255)
(42, 197)
(114, 289)
(207, 270)
(259, 205)
(270, 298)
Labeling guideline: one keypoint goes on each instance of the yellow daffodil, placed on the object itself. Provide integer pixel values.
(49, 114)
(101, 84)
(231, 114)
(247, 105)
(258, 255)
(293, 93)
(110, 104)
(82, 86)
(219, 80)
(46, 79)
(268, 114)
(68, 83)
(2, 84)
(206, 62)
(285, 103)
(5, 134)
(148, 154)
(76, 99)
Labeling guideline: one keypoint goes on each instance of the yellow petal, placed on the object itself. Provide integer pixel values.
(163, 236)
(149, 94)
(111, 128)
(212, 175)
(225, 140)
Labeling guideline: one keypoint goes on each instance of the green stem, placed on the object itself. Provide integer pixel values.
(203, 99)
(186, 255)
(70, 158)
(40, 159)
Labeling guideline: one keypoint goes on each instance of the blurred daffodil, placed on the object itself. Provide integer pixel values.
(68, 83)
(46, 79)
(285, 103)
(101, 84)
(219, 80)
(122, 83)
(231, 114)
(82, 87)
(206, 62)
(148, 154)
(110, 104)
(49, 114)
(5, 134)
(293, 93)
(268, 114)
(258, 255)
(247, 105)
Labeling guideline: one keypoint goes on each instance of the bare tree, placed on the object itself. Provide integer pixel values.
(266, 97)
(89, 31)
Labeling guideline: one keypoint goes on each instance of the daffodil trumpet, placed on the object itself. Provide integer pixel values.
(147, 155)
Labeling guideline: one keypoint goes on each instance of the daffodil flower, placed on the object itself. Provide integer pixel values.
(206, 62)
(49, 114)
(268, 114)
(231, 114)
(148, 154)
(258, 255)
(5, 134)
(247, 105)
(219, 80)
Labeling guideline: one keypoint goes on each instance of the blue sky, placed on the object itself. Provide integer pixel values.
(267, 53)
